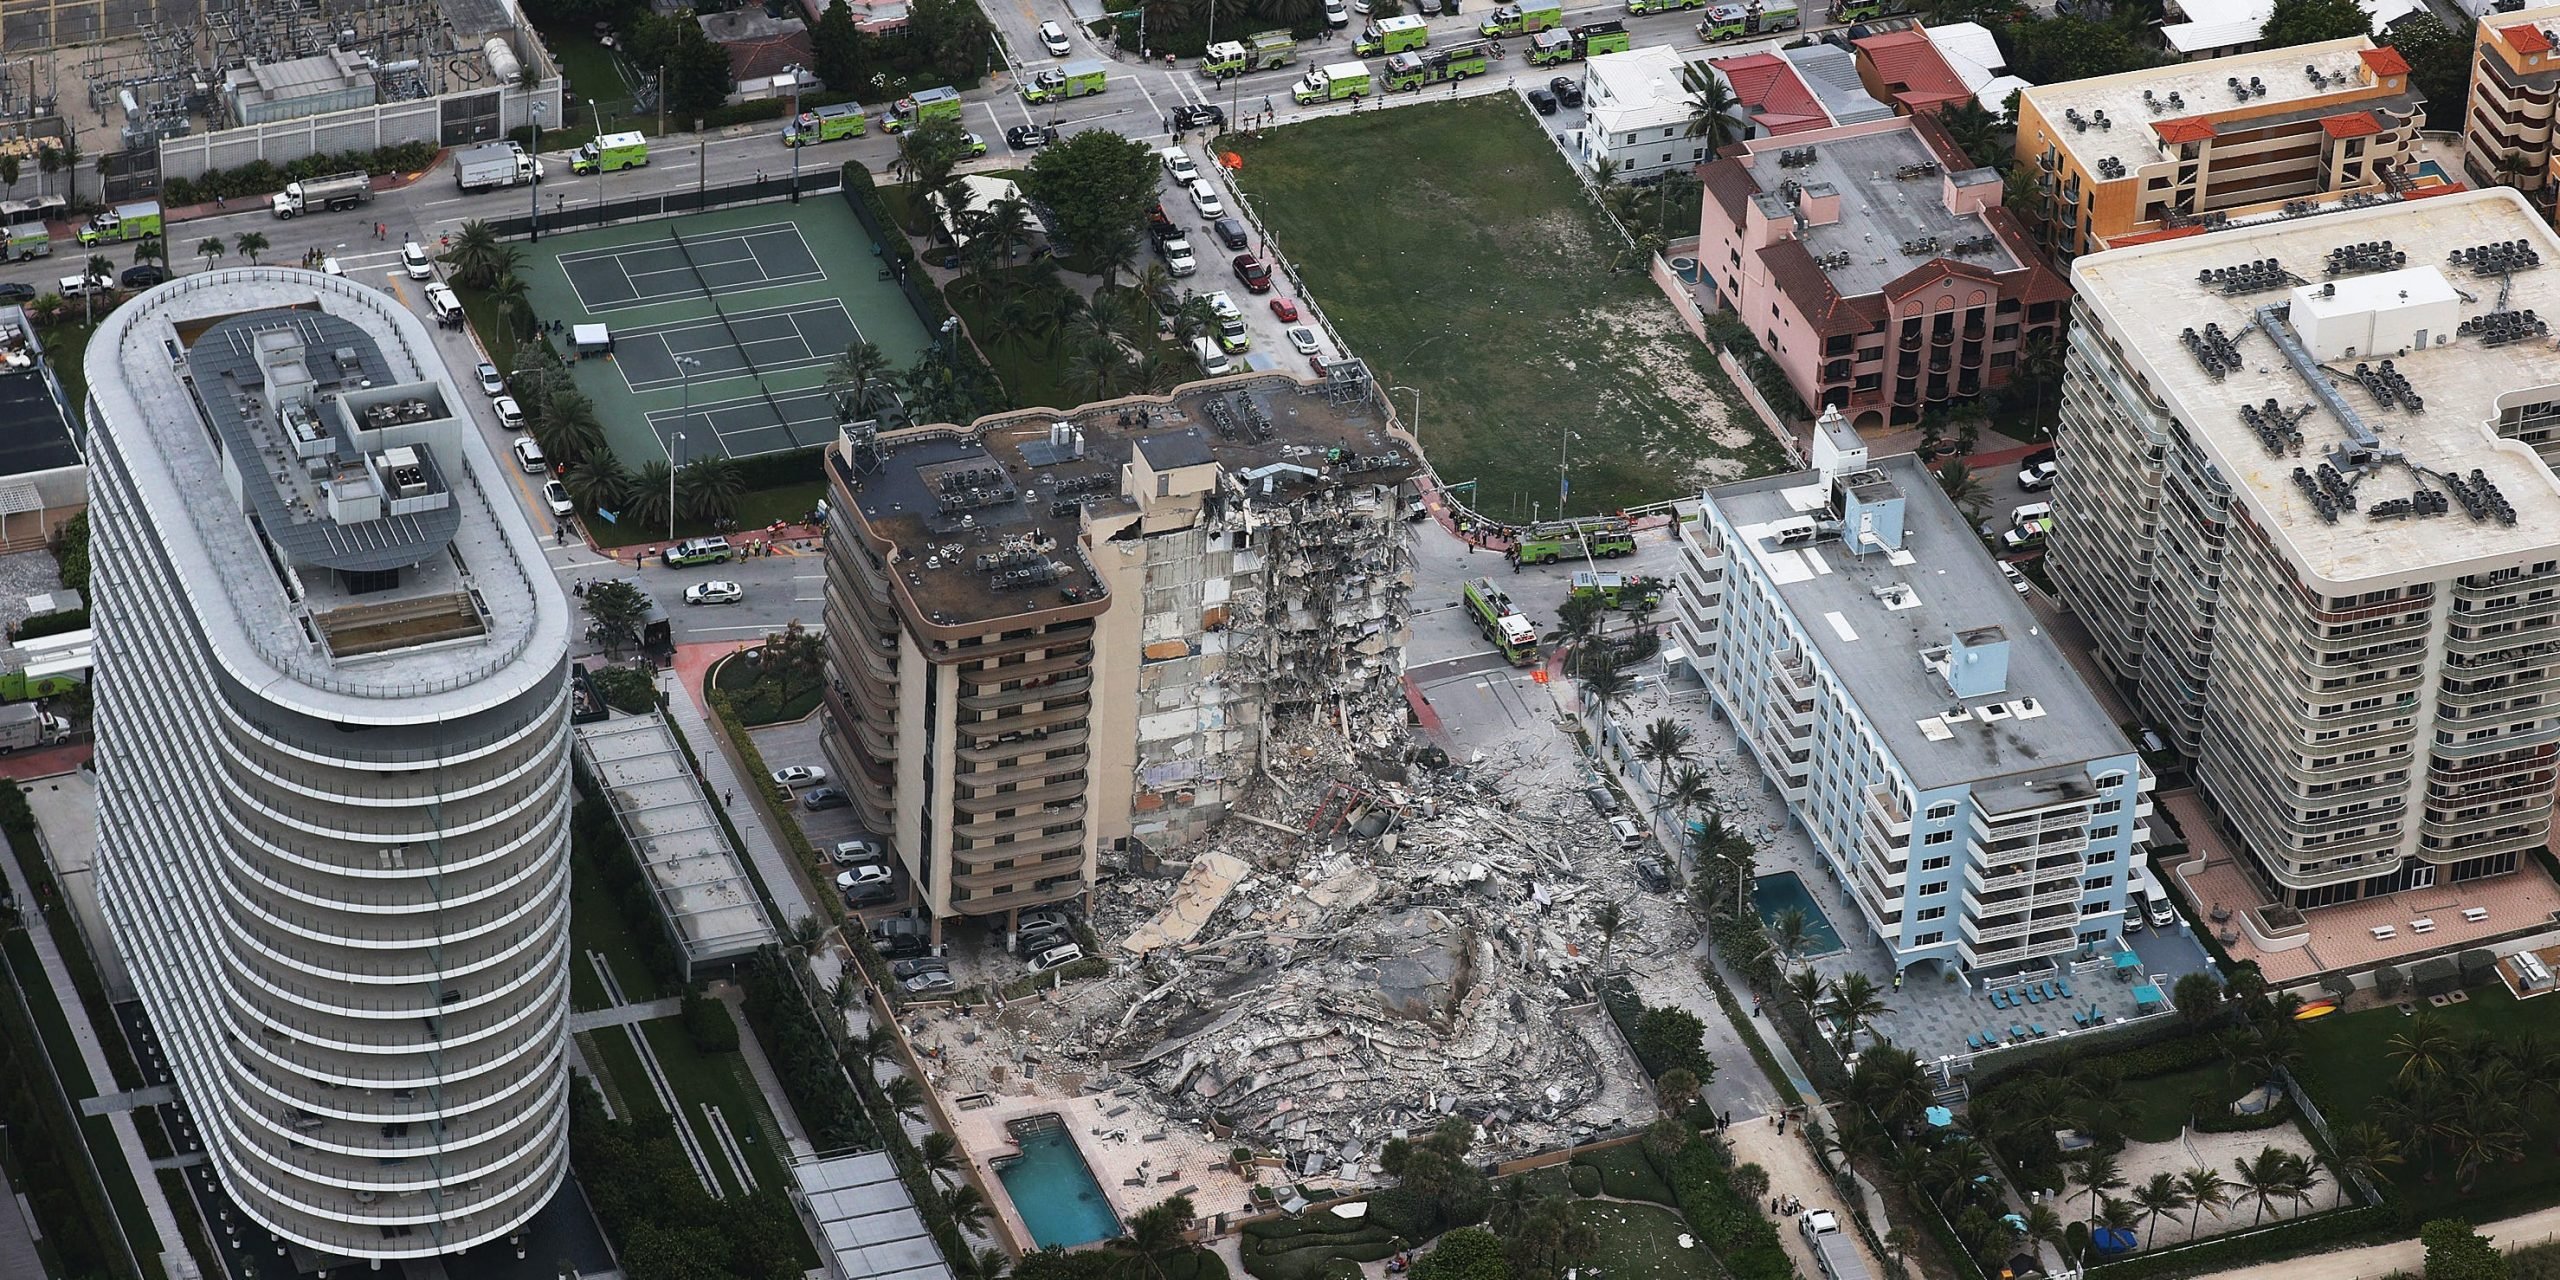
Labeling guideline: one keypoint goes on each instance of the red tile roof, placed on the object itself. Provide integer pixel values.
(2385, 61)
(1730, 185)
(1909, 65)
(2354, 124)
(2187, 129)
(2524, 37)
(1767, 86)
(1792, 269)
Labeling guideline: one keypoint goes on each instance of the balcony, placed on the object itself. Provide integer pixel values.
(981, 830)
(984, 855)
(1054, 664)
(999, 699)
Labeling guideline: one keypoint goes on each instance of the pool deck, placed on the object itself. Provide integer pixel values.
(1185, 1153)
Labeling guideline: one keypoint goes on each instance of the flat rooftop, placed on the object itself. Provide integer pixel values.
(700, 882)
(2147, 295)
(985, 520)
(1872, 616)
(1831, 73)
(1889, 224)
(35, 433)
(2186, 90)
(375, 565)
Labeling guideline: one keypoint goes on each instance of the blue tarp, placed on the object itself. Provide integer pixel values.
(2112, 1239)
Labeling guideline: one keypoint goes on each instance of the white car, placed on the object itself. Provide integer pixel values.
(1054, 39)
(510, 414)
(441, 300)
(2038, 476)
(74, 286)
(1178, 165)
(799, 775)
(2017, 580)
(869, 875)
(491, 384)
(859, 850)
(1630, 833)
(1303, 339)
(2162, 914)
(714, 592)
(414, 260)
(1335, 15)
(1205, 198)
(528, 454)
(557, 498)
(1056, 958)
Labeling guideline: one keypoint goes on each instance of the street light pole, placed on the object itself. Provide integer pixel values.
(1416, 429)
(685, 365)
(598, 113)
(795, 151)
(536, 232)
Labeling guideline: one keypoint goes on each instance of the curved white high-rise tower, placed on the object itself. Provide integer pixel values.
(332, 760)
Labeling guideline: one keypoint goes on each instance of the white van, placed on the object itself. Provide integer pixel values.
(1213, 361)
(1054, 39)
(2019, 517)
(414, 260)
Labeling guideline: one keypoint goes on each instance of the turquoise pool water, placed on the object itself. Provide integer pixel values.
(1775, 895)
(2431, 169)
(1057, 1195)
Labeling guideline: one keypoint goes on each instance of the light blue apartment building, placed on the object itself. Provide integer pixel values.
(1965, 789)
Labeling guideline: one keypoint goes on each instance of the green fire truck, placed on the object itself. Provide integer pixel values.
(1601, 537)
(1501, 621)
(1663, 6)
(1393, 35)
(826, 124)
(1617, 590)
(1733, 21)
(1526, 18)
(1074, 80)
(1432, 66)
(928, 104)
(1331, 84)
(1865, 10)
(1260, 51)
(1554, 48)
(124, 222)
(29, 236)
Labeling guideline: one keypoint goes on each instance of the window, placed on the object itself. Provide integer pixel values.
(2111, 782)
(2102, 833)
(1926, 939)
(1934, 886)
(2102, 857)
(1942, 810)
(1938, 863)
(2095, 883)
(1927, 914)
(1938, 837)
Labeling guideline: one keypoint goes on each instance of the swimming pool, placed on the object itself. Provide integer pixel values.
(1774, 895)
(2430, 169)
(1060, 1201)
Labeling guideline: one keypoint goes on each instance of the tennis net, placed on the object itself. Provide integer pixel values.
(744, 360)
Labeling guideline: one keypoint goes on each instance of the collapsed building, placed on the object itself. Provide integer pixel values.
(1055, 635)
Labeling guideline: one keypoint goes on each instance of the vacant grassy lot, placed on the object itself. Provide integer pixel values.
(1641, 1242)
(1455, 252)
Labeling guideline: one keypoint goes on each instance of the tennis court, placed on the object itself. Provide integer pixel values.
(724, 324)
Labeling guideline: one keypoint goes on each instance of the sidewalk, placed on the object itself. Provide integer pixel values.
(623, 1015)
(720, 778)
(761, 1067)
(101, 1076)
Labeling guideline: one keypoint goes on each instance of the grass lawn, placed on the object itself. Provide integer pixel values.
(67, 346)
(760, 706)
(595, 924)
(722, 1081)
(1641, 1242)
(2163, 1103)
(1626, 1174)
(1456, 253)
(594, 72)
(1035, 372)
(2346, 1069)
(63, 1052)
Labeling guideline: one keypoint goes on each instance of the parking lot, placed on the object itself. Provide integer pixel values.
(1268, 332)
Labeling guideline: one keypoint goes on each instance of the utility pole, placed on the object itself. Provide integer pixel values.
(662, 98)
(536, 232)
(702, 165)
(795, 151)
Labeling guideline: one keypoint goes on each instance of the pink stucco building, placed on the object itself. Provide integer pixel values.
(1874, 265)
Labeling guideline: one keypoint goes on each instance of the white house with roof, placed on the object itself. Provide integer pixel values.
(1636, 113)
(2218, 28)
(1973, 53)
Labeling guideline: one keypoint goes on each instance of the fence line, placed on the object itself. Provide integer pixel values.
(566, 218)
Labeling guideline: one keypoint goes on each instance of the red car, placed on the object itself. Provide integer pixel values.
(1286, 310)
(1256, 275)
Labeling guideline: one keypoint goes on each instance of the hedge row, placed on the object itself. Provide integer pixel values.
(964, 358)
(803, 1056)
(2292, 1238)
(597, 844)
(651, 1205)
(258, 177)
(58, 622)
(1734, 1229)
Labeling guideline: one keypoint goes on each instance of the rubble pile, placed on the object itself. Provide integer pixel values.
(1407, 943)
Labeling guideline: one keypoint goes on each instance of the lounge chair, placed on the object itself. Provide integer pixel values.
(2017, 1032)
(1999, 998)
(2063, 985)
(2034, 996)
(2038, 1028)
(1973, 1042)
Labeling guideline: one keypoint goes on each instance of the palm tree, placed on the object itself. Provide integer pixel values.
(1676, 1089)
(250, 244)
(1117, 253)
(2261, 1179)
(1666, 741)
(1607, 920)
(567, 428)
(210, 249)
(1711, 106)
(965, 1203)
(939, 1152)
(1790, 932)
(876, 1042)
(1803, 988)
(1892, 1084)
(1957, 1164)
(1965, 489)
(1685, 790)
(151, 249)
(1008, 224)
(644, 500)
(856, 371)
(598, 483)
(1157, 1230)
(2425, 1050)
(1157, 370)
(2159, 1198)
(514, 305)
(1097, 364)
(2363, 1151)
(1855, 1003)
(2417, 1111)
(986, 1264)
(2040, 362)
(477, 257)
(1975, 131)
(2204, 1189)
(1579, 621)
(906, 1098)
(709, 490)
(2100, 1176)
(2483, 1129)
(1604, 681)
(1014, 323)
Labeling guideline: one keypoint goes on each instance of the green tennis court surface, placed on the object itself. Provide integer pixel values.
(724, 324)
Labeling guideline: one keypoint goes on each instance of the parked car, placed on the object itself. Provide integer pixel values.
(1204, 198)
(859, 849)
(1045, 916)
(414, 260)
(2017, 580)
(143, 277)
(510, 414)
(491, 383)
(1178, 165)
(930, 981)
(2162, 914)
(905, 969)
(1601, 798)
(977, 145)
(2035, 477)
(1056, 958)
(442, 300)
(866, 876)
(799, 775)
(716, 591)
(12, 291)
(899, 937)
(824, 798)
(1054, 39)
(1652, 874)
(1255, 273)
(1336, 15)
(2027, 535)
(557, 498)
(1544, 100)
(1030, 137)
(1630, 832)
(1302, 339)
(1200, 115)
(1284, 311)
(1033, 936)
(1568, 91)
(1230, 231)
(528, 454)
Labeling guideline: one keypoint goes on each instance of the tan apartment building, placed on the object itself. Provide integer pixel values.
(2307, 508)
(1052, 636)
(2515, 80)
(2191, 146)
